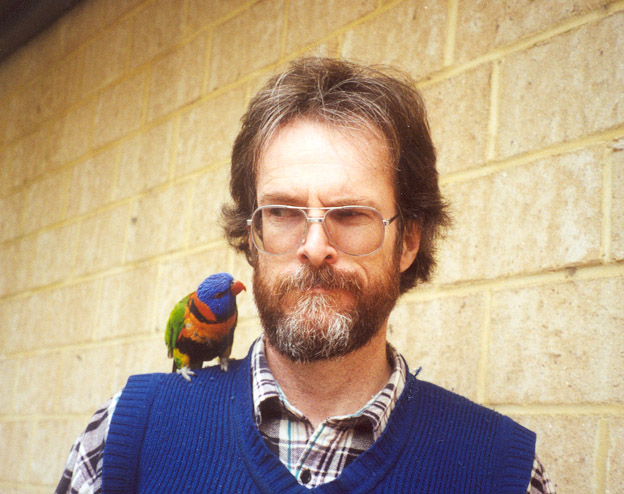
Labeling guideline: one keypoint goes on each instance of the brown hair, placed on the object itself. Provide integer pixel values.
(348, 96)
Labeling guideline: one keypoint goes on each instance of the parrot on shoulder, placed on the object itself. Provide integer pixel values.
(201, 325)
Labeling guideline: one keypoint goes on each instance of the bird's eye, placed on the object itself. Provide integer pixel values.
(220, 294)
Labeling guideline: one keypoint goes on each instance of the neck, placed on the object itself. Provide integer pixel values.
(333, 387)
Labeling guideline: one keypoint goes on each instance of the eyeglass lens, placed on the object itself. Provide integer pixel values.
(354, 230)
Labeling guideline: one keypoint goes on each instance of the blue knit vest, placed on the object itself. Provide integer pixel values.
(168, 435)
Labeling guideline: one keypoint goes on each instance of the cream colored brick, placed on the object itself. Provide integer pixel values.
(458, 110)
(443, 337)
(92, 183)
(60, 87)
(125, 307)
(157, 27)
(211, 191)
(543, 102)
(538, 216)
(13, 467)
(207, 132)
(159, 222)
(101, 240)
(53, 254)
(11, 218)
(247, 42)
(9, 378)
(204, 12)
(483, 26)
(181, 276)
(62, 316)
(246, 333)
(617, 212)
(88, 18)
(615, 469)
(106, 57)
(177, 78)
(46, 201)
(88, 380)
(22, 113)
(52, 440)
(119, 109)
(144, 160)
(12, 334)
(71, 134)
(566, 449)
(409, 36)
(549, 344)
(24, 160)
(14, 259)
(309, 20)
(37, 260)
(143, 357)
(44, 369)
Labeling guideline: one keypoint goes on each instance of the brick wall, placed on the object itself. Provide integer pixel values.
(115, 130)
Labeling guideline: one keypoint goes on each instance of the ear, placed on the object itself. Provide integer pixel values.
(411, 244)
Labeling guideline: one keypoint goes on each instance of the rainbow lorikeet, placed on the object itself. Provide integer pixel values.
(201, 325)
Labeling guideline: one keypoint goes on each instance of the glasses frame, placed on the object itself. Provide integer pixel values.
(320, 219)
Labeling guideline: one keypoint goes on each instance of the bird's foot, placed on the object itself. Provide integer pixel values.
(223, 362)
(186, 373)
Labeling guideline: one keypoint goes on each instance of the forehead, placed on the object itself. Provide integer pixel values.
(311, 162)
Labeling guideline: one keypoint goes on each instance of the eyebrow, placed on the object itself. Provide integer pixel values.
(291, 200)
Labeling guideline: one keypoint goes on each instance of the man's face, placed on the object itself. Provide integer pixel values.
(317, 302)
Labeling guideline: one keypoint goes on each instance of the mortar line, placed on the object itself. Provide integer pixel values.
(189, 198)
(284, 34)
(173, 155)
(210, 34)
(451, 32)
(601, 457)
(116, 174)
(484, 347)
(532, 156)
(494, 112)
(607, 194)
(148, 80)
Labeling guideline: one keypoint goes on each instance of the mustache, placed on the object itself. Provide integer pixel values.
(326, 277)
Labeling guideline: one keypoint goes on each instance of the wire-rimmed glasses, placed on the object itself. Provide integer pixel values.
(354, 230)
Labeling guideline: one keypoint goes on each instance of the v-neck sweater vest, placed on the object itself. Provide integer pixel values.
(168, 435)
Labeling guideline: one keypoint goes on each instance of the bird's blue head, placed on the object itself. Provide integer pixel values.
(218, 292)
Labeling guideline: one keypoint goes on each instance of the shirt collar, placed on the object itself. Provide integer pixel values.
(267, 393)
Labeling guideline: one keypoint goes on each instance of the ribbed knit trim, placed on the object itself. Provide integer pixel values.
(125, 437)
(516, 464)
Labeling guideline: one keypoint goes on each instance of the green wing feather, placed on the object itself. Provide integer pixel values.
(175, 324)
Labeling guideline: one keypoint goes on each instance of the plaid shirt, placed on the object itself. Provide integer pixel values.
(313, 456)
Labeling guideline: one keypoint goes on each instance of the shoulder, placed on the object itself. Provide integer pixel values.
(142, 388)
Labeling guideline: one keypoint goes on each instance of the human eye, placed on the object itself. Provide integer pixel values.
(351, 215)
(281, 213)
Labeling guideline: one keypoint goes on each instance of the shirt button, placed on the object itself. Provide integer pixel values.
(305, 476)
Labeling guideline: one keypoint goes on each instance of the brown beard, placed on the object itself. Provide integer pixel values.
(313, 327)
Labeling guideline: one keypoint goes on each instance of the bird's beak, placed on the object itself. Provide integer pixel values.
(236, 287)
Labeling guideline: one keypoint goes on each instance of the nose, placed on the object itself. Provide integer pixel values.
(316, 248)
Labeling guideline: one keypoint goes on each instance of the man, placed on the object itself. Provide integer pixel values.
(337, 207)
